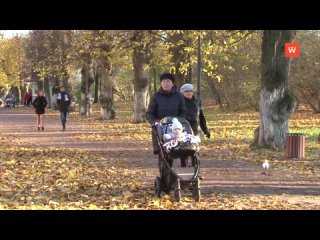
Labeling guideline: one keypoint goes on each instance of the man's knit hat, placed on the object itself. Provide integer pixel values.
(167, 76)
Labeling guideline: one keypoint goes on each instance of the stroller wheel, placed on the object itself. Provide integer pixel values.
(157, 187)
(197, 192)
(197, 195)
(177, 195)
(198, 183)
(177, 191)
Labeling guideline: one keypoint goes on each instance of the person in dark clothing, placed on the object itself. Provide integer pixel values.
(167, 101)
(10, 100)
(63, 101)
(194, 114)
(29, 101)
(40, 103)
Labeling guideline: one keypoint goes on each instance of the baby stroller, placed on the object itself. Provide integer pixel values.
(171, 177)
(10, 103)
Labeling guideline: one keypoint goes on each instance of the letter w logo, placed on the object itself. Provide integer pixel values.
(292, 50)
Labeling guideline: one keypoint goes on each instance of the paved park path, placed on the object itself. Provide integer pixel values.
(220, 176)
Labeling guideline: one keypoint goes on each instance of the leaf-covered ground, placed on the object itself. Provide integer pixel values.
(109, 164)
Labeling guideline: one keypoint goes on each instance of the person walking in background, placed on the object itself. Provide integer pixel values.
(29, 101)
(63, 101)
(25, 98)
(194, 114)
(40, 103)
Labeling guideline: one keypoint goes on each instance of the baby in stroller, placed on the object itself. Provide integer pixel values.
(177, 135)
(176, 140)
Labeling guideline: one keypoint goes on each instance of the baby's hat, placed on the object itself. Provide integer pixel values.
(176, 124)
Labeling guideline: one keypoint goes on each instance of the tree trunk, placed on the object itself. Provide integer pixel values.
(51, 94)
(318, 99)
(55, 89)
(277, 103)
(46, 91)
(106, 95)
(179, 55)
(23, 91)
(96, 86)
(308, 99)
(54, 101)
(86, 108)
(82, 106)
(141, 86)
(214, 90)
(87, 80)
(84, 81)
(65, 81)
(20, 98)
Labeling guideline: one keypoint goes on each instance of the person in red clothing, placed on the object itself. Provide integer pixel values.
(25, 98)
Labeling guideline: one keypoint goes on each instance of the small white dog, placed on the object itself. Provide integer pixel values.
(266, 165)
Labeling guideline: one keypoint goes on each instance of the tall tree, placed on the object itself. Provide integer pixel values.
(49, 52)
(47, 92)
(141, 76)
(304, 72)
(104, 57)
(95, 50)
(83, 58)
(12, 60)
(106, 95)
(96, 86)
(277, 103)
(180, 43)
(87, 79)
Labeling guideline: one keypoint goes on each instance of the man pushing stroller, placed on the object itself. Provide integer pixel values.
(167, 101)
